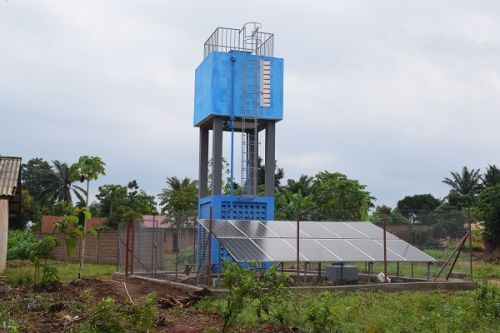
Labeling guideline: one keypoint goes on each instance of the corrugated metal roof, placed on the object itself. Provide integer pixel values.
(9, 175)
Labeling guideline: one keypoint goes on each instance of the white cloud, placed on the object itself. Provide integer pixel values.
(395, 94)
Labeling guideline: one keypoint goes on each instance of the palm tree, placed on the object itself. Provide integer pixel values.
(491, 176)
(303, 185)
(59, 184)
(465, 182)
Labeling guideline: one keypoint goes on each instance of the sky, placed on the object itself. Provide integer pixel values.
(395, 94)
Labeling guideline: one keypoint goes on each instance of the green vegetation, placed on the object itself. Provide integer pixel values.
(110, 316)
(86, 312)
(264, 292)
(489, 208)
(329, 196)
(20, 243)
(468, 311)
(120, 203)
(21, 271)
(39, 256)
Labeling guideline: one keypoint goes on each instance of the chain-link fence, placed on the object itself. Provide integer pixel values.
(166, 248)
(158, 246)
(442, 234)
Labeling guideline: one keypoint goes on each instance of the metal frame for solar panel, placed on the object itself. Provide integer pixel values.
(276, 241)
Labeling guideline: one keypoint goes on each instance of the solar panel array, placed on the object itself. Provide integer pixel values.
(319, 241)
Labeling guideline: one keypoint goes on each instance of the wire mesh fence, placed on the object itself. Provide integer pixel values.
(157, 246)
(443, 234)
(168, 248)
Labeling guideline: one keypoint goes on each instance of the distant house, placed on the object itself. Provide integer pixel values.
(10, 200)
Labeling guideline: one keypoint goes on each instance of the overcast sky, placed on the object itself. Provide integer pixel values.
(392, 93)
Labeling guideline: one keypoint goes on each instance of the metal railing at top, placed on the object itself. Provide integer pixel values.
(229, 39)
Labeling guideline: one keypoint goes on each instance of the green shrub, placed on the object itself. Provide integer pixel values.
(319, 315)
(19, 244)
(112, 317)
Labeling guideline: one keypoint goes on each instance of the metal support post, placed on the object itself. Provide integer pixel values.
(127, 244)
(209, 265)
(385, 246)
(470, 243)
(298, 247)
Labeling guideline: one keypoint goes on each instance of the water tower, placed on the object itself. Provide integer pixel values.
(238, 91)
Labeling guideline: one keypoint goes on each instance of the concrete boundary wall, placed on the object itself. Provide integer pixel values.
(99, 249)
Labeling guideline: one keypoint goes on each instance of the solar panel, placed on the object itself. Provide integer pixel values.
(222, 229)
(319, 241)
(244, 250)
(408, 251)
(345, 251)
(254, 229)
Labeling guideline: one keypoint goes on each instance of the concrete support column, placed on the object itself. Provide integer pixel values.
(4, 230)
(203, 163)
(217, 156)
(270, 162)
(252, 157)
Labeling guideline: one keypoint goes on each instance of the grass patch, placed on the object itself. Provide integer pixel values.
(21, 271)
(468, 311)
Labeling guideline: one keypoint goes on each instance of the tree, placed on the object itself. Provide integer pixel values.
(302, 185)
(90, 168)
(180, 200)
(340, 198)
(290, 206)
(30, 211)
(418, 202)
(120, 203)
(491, 176)
(279, 173)
(33, 174)
(58, 185)
(488, 204)
(180, 195)
(464, 187)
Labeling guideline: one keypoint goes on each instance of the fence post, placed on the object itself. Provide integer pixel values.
(385, 246)
(133, 246)
(209, 265)
(470, 243)
(97, 239)
(127, 232)
(298, 247)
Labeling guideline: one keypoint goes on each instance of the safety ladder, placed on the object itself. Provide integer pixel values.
(249, 126)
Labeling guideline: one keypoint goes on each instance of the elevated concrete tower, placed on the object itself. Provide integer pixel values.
(238, 89)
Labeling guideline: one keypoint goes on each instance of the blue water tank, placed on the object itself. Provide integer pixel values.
(219, 86)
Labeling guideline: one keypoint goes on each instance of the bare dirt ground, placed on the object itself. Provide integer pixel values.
(44, 311)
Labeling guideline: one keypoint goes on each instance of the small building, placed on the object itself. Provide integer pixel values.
(10, 200)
